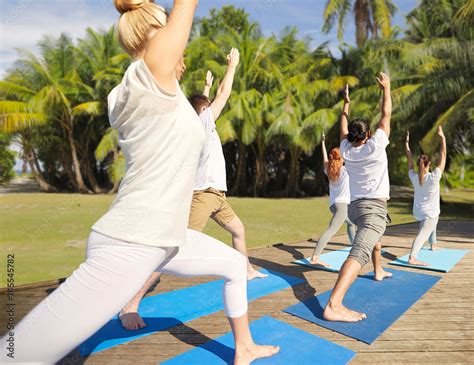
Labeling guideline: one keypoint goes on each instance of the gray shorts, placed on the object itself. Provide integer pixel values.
(370, 216)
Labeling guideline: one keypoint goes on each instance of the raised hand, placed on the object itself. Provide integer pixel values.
(209, 78)
(384, 81)
(440, 132)
(323, 137)
(346, 94)
(233, 57)
(407, 140)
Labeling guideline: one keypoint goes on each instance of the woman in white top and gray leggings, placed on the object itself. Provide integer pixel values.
(145, 229)
(339, 199)
(366, 162)
(426, 200)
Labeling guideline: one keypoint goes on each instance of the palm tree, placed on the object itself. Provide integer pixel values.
(56, 95)
(102, 64)
(371, 16)
(301, 119)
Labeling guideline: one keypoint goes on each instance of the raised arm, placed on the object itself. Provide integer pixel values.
(408, 152)
(325, 152)
(442, 162)
(208, 85)
(225, 88)
(167, 45)
(345, 114)
(384, 124)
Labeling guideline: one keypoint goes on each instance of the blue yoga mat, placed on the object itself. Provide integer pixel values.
(334, 258)
(167, 310)
(296, 347)
(383, 302)
(442, 260)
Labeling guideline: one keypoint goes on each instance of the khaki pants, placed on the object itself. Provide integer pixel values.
(209, 203)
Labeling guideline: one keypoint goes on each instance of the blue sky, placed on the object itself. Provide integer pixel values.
(23, 22)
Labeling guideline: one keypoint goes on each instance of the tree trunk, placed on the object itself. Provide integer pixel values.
(66, 164)
(114, 188)
(260, 171)
(241, 173)
(362, 20)
(81, 186)
(91, 177)
(44, 185)
(293, 174)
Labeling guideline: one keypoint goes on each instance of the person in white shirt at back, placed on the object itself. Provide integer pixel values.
(426, 201)
(339, 199)
(366, 162)
(209, 198)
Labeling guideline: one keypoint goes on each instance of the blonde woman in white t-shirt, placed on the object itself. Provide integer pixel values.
(339, 199)
(209, 198)
(426, 197)
(146, 227)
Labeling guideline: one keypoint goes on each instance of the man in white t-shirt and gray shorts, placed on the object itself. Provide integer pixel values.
(366, 163)
(209, 198)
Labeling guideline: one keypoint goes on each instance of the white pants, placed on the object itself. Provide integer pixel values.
(112, 274)
(427, 232)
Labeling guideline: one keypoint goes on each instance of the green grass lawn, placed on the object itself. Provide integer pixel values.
(47, 232)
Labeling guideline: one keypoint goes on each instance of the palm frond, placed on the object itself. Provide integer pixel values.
(107, 145)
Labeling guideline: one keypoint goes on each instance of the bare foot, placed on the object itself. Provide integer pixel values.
(255, 274)
(317, 262)
(254, 352)
(131, 321)
(342, 314)
(379, 276)
(435, 247)
(413, 261)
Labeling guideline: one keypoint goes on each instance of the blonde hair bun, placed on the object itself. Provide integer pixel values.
(128, 5)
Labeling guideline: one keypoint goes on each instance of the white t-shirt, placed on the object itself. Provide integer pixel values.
(211, 169)
(339, 191)
(161, 137)
(426, 200)
(367, 166)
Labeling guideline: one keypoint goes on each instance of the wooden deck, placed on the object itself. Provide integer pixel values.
(438, 329)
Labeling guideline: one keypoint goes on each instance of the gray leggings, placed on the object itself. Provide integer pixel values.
(339, 216)
(370, 216)
(426, 232)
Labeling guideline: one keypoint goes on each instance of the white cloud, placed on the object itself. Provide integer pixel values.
(25, 22)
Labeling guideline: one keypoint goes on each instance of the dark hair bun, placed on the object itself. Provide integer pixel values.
(358, 129)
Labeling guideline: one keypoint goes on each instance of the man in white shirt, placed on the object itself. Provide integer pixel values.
(209, 199)
(366, 162)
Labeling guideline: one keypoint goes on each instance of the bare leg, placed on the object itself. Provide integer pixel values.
(246, 350)
(335, 310)
(129, 314)
(380, 273)
(237, 229)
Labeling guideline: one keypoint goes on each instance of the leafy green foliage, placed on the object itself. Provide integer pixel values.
(7, 159)
(285, 95)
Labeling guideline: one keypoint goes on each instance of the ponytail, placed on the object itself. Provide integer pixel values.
(334, 164)
(423, 163)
